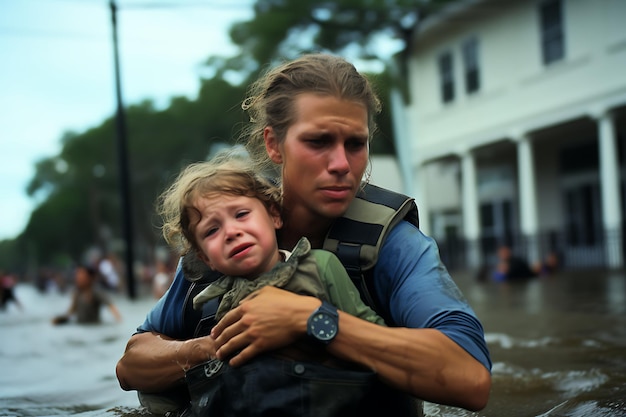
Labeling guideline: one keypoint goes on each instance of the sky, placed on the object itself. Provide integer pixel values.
(57, 72)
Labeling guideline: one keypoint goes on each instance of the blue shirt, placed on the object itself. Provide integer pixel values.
(415, 287)
(411, 283)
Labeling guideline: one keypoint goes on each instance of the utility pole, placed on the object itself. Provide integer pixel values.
(124, 177)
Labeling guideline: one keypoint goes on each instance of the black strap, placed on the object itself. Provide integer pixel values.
(351, 234)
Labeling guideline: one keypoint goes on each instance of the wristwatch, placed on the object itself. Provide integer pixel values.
(323, 324)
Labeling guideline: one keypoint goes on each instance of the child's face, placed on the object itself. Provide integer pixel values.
(237, 235)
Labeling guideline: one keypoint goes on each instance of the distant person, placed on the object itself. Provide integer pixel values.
(161, 280)
(226, 215)
(550, 265)
(87, 299)
(510, 267)
(7, 291)
(109, 272)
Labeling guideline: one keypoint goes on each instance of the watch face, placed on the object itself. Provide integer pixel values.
(323, 326)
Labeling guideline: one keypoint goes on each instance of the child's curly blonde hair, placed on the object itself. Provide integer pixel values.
(227, 173)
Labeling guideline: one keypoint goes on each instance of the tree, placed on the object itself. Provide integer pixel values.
(284, 28)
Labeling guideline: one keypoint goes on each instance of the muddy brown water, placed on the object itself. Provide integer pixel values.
(558, 346)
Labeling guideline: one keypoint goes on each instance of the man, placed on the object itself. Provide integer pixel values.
(313, 118)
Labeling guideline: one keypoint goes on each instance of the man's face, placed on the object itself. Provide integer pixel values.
(323, 155)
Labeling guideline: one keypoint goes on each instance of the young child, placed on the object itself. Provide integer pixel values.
(225, 214)
(87, 299)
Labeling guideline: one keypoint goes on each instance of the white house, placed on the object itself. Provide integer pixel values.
(515, 128)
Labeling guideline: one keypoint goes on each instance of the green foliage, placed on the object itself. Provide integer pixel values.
(61, 224)
(289, 27)
(9, 255)
(382, 141)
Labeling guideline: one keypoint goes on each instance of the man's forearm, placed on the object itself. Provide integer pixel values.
(423, 362)
(153, 362)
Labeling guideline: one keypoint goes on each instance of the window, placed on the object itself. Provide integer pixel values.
(470, 63)
(552, 37)
(446, 75)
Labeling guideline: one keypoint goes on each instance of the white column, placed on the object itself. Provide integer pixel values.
(528, 196)
(421, 199)
(610, 189)
(471, 219)
(403, 140)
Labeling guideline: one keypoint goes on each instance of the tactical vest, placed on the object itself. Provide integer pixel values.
(357, 236)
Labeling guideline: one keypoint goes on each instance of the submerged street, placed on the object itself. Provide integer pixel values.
(558, 346)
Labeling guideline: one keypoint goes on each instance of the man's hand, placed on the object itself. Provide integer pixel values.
(267, 319)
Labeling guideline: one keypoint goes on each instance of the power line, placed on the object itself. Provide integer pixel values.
(35, 32)
(157, 4)
(178, 5)
(38, 33)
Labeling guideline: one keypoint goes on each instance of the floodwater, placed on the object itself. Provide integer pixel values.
(558, 346)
